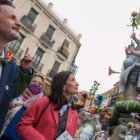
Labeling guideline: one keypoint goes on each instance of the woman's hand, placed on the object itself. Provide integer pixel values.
(27, 94)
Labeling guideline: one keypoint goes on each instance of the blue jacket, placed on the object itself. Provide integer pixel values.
(8, 81)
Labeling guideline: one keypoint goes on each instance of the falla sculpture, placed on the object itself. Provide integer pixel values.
(125, 119)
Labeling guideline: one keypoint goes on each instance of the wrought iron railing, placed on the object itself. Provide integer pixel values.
(47, 40)
(51, 73)
(26, 21)
(38, 66)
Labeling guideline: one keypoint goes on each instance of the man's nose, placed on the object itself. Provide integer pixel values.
(77, 84)
(18, 23)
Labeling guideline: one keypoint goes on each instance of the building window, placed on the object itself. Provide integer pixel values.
(64, 48)
(28, 20)
(37, 57)
(32, 16)
(54, 69)
(65, 44)
(50, 31)
(47, 36)
(15, 45)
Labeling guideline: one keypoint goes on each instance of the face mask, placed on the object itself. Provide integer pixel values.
(35, 88)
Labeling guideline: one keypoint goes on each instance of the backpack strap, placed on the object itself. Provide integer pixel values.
(37, 121)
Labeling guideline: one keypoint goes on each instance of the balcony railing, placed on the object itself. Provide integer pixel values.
(64, 52)
(17, 53)
(38, 67)
(47, 40)
(26, 21)
(51, 73)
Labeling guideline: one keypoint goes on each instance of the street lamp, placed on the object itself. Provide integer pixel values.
(93, 90)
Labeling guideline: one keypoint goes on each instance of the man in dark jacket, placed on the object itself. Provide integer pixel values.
(10, 73)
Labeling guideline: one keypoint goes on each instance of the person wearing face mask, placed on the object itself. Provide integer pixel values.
(59, 118)
(19, 105)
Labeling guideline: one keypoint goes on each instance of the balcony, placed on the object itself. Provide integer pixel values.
(64, 52)
(17, 53)
(27, 22)
(47, 40)
(38, 67)
(51, 73)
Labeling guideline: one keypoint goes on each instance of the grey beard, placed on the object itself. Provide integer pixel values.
(9, 36)
(12, 38)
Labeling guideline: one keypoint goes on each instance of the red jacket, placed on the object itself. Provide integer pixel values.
(47, 126)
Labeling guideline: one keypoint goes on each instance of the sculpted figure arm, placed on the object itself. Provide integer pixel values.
(137, 41)
(134, 51)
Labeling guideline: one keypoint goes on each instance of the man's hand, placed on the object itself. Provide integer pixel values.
(25, 62)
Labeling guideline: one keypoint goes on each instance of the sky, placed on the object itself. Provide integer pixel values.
(105, 34)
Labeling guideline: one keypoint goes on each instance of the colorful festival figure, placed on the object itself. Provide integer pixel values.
(124, 124)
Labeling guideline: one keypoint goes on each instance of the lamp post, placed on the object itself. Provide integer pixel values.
(93, 90)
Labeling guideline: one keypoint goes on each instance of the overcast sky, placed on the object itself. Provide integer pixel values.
(102, 24)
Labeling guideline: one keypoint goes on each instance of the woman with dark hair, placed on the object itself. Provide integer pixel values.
(54, 114)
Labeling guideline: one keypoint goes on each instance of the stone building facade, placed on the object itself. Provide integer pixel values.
(51, 42)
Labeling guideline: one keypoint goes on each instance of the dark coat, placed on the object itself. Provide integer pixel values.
(12, 83)
(8, 81)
